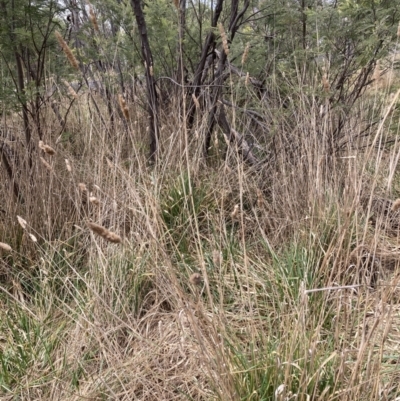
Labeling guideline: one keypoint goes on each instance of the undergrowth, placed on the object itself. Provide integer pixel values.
(204, 279)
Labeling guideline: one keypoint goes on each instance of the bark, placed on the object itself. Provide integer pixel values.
(8, 158)
(208, 48)
(24, 105)
(150, 81)
(180, 73)
(234, 24)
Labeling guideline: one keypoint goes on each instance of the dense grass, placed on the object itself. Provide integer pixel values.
(299, 293)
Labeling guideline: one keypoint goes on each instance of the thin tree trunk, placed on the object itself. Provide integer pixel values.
(6, 155)
(180, 73)
(304, 23)
(198, 75)
(25, 116)
(219, 78)
(150, 82)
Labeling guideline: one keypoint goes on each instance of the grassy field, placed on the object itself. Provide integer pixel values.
(195, 279)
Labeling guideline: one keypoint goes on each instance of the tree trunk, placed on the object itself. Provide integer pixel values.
(180, 73)
(150, 82)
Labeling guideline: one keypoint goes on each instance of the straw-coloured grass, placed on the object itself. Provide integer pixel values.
(273, 281)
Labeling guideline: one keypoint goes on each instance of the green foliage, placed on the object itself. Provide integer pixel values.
(161, 17)
(25, 34)
(290, 46)
(182, 204)
(27, 344)
(269, 371)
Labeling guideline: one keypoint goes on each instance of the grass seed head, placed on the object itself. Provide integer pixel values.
(82, 187)
(66, 49)
(105, 233)
(224, 39)
(396, 205)
(245, 53)
(5, 247)
(94, 200)
(70, 89)
(216, 257)
(23, 223)
(32, 237)
(124, 108)
(235, 212)
(46, 148)
(68, 165)
(196, 279)
(93, 19)
(47, 165)
(325, 82)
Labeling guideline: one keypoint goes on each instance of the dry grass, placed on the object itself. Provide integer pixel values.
(232, 282)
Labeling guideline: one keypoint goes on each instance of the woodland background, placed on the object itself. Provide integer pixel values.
(199, 200)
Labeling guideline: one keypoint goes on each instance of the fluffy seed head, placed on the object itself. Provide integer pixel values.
(325, 82)
(123, 106)
(32, 237)
(93, 18)
(46, 148)
(216, 257)
(396, 205)
(68, 165)
(224, 39)
(235, 212)
(23, 223)
(82, 187)
(47, 165)
(245, 53)
(70, 89)
(196, 279)
(104, 233)
(122, 102)
(94, 200)
(5, 247)
(216, 141)
(66, 49)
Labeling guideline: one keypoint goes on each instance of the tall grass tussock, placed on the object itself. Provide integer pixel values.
(199, 278)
